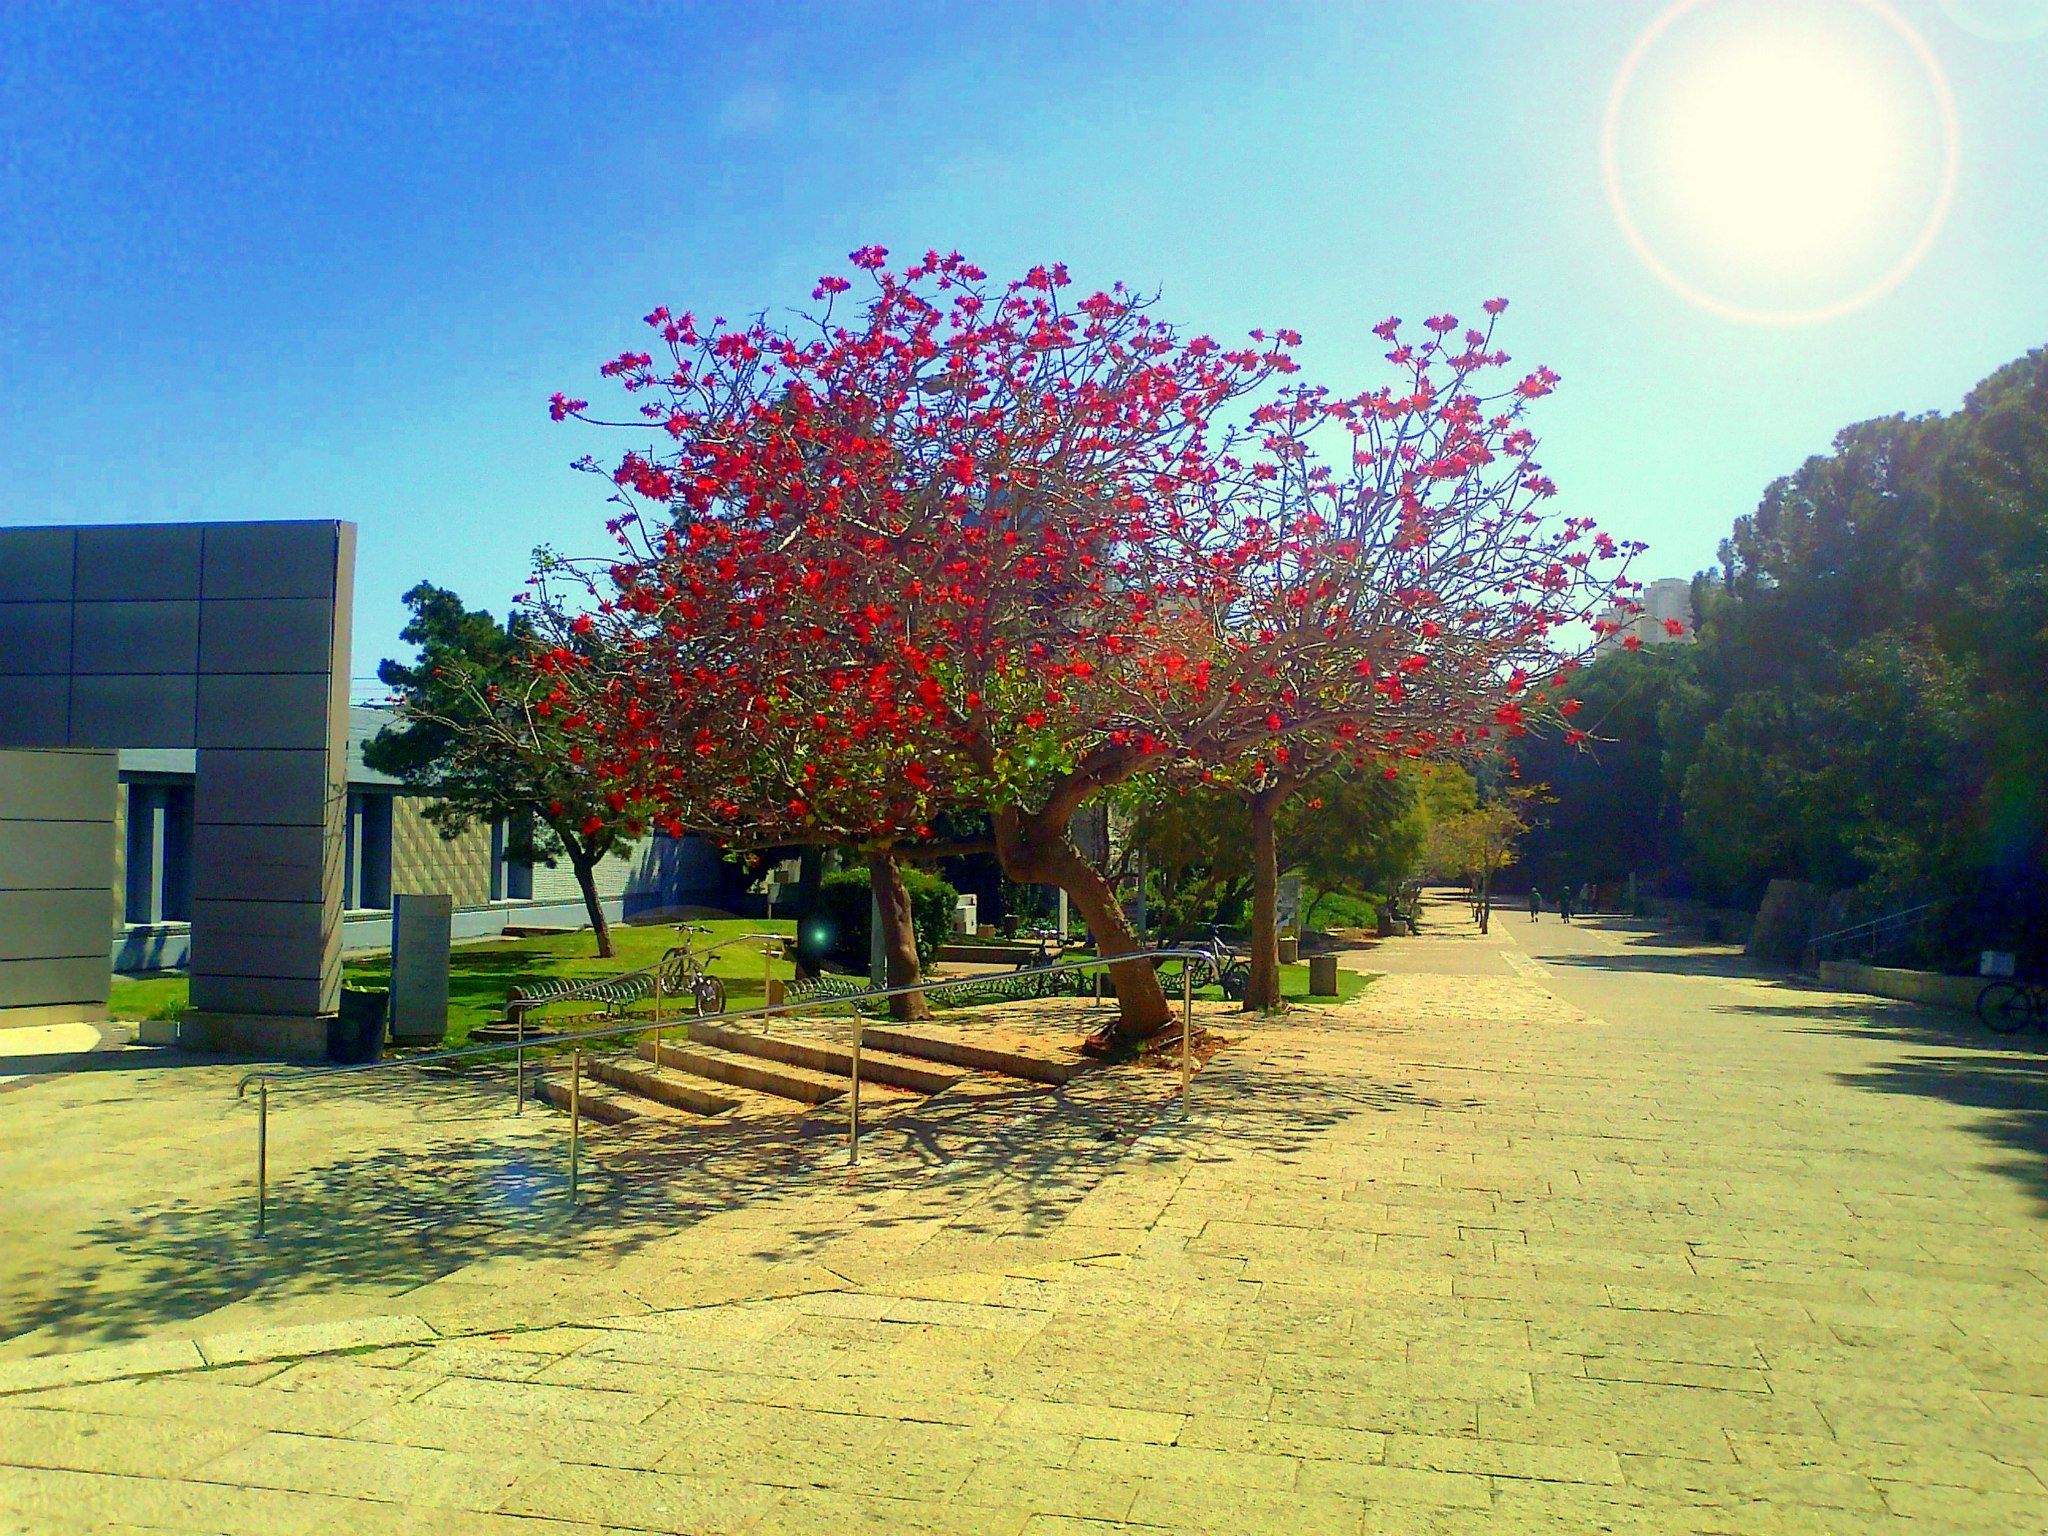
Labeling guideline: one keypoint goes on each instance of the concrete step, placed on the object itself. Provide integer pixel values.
(802, 1084)
(980, 1056)
(603, 1104)
(662, 1085)
(876, 1066)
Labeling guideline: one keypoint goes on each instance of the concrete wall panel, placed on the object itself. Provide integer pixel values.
(145, 561)
(269, 788)
(250, 560)
(56, 879)
(54, 855)
(35, 638)
(35, 711)
(148, 638)
(36, 564)
(285, 634)
(43, 925)
(280, 711)
(134, 711)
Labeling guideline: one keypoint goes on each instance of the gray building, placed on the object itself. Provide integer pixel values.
(390, 849)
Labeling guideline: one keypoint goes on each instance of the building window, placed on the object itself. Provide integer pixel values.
(159, 875)
(510, 879)
(366, 882)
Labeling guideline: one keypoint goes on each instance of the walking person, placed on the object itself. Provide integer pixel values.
(1535, 903)
(1564, 902)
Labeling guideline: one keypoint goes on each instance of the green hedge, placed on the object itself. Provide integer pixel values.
(845, 899)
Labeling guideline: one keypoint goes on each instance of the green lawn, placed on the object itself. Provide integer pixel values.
(481, 975)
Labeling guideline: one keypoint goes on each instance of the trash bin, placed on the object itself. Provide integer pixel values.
(1290, 951)
(1322, 975)
(356, 1034)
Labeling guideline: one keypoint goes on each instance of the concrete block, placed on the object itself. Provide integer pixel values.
(265, 863)
(36, 564)
(145, 638)
(420, 937)
(35, 638)
(266, 1036)
(139, 560)
(57, 786)
(249, 560)
(282, 634)
(266, 788)
(278, 997)
(55, 925)
(132, 711)
(58, 856)
(43, 1014)
(222, 948)
(277, 711)
(65, 979)
(35, 711)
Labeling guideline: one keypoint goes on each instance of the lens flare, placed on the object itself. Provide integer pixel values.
(1762, 161)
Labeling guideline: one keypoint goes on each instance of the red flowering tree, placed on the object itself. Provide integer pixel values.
(986, 544)
(903, 553)
(1377, 581)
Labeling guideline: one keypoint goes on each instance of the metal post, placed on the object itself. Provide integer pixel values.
(853, 1099)
(262, 1154)
(767, 970)
(657, 1015)
(575, 1123)
(1187, 1029)
(519, 1066)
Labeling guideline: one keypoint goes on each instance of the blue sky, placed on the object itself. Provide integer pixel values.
(330, 261)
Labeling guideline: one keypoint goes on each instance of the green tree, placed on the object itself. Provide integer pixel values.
(479, 730)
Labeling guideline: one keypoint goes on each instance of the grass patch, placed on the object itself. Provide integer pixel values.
(481, 975)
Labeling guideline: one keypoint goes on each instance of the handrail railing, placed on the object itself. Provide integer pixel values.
(1885, 925)
(263, 1079)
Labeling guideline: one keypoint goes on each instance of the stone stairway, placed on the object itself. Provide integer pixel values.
(716, 1071)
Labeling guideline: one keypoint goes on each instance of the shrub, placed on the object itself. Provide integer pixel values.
(845, 904)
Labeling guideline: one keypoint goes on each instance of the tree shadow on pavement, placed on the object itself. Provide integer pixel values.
(1946, 1056)
(468, 1182)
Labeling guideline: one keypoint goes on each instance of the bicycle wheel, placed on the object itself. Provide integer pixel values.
(1237, 981)
(710, 995)
(2005, 1007)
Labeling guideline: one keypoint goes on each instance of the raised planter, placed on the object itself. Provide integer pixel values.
(1929, 987)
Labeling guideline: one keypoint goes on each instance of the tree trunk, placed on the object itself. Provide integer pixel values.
(1262, 992)
(586, 881)
(899, 935)
(1485, 900)
(1037, 850)
(810, 889)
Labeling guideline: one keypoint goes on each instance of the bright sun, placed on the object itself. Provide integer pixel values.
(1778, 163)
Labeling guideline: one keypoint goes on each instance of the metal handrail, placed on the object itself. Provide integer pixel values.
(264, 1078)
(1870, 927)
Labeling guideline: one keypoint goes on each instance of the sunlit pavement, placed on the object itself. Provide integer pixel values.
(1564, 1229)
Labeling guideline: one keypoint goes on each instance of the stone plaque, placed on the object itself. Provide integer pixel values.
(1289, 904)
(420, 932)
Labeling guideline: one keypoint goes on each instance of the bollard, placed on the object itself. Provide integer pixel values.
(519, 1067)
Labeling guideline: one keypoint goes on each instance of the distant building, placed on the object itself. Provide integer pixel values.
(1665, 601)
(390, 849)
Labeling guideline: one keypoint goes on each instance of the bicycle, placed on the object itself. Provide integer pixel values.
(1047, 949)
(684, 975)
(2007, 1007)
(1232, 973)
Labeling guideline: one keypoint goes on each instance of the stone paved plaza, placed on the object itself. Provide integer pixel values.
(1566, 1230)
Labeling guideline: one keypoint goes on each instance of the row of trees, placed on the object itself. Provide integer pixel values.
(940, 567)
(1862, 708)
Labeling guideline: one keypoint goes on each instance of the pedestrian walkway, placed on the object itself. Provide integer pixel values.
(1584, 1232)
